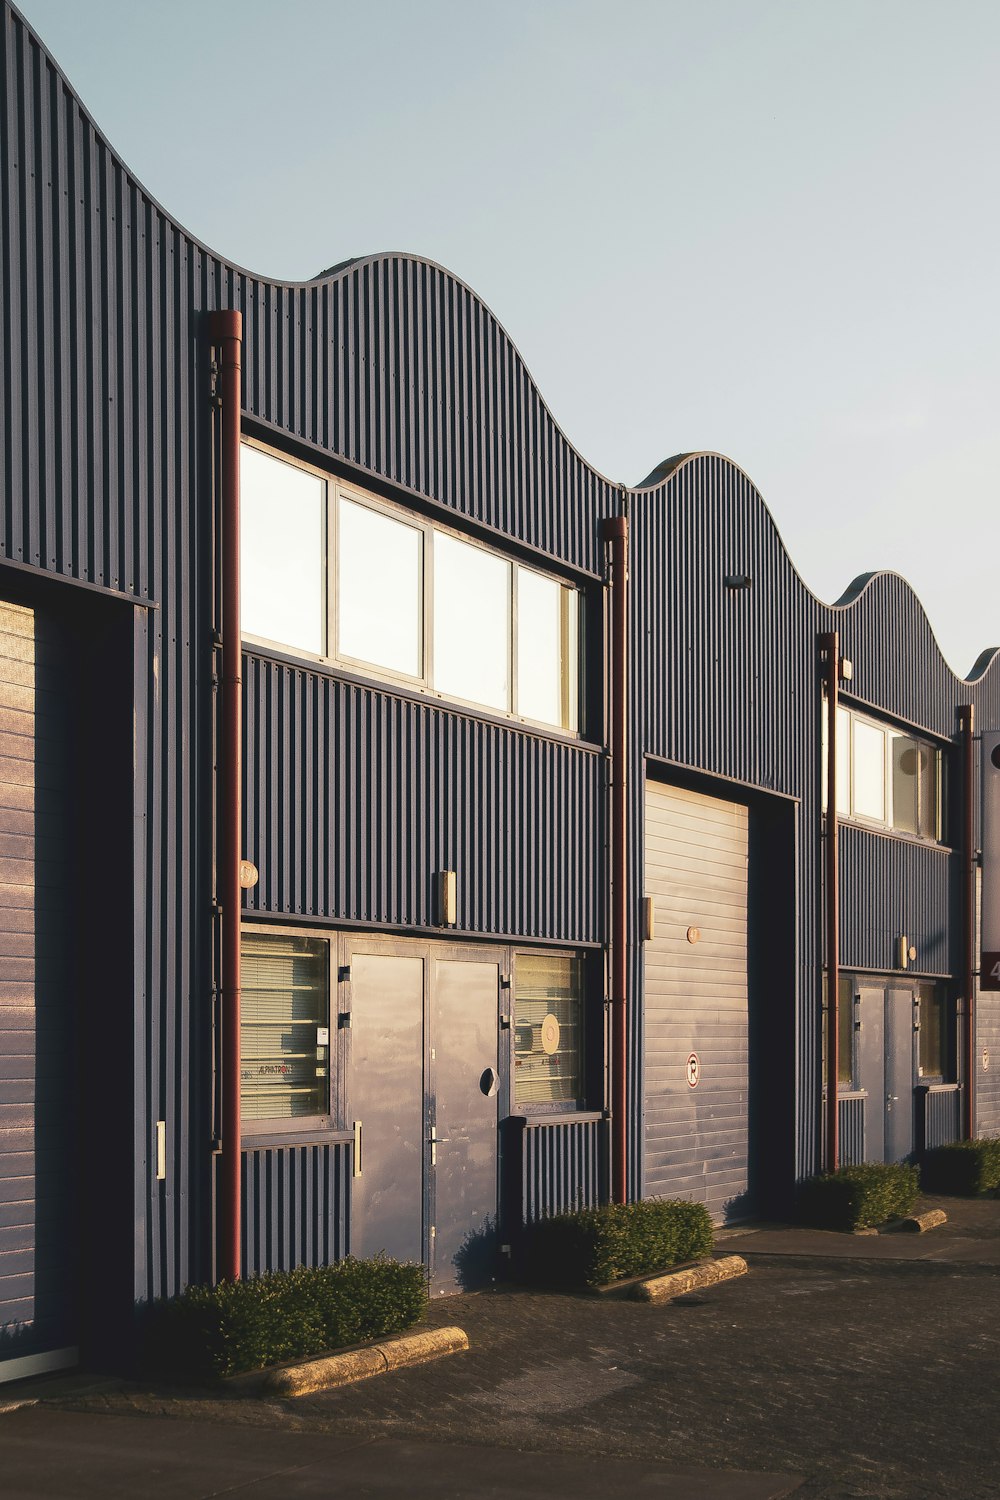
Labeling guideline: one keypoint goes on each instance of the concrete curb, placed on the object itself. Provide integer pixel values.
(360, 1364)
(676, 1283)
(919, 1223)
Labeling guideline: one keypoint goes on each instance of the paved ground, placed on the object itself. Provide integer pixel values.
(846, 1363)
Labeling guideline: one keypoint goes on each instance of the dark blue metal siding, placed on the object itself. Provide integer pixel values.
(295, 1206)
(851, 1128)
(355, 798)
(890, 887)
(396, 366)
(564, 1167)
(939, 1117)
(727, 681)
(105, 443)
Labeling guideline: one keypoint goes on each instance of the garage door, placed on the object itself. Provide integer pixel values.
(37, 992)
(695, 1036)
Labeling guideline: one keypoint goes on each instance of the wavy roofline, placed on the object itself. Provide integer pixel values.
(659, 476)
(336, 272)
(667, 470)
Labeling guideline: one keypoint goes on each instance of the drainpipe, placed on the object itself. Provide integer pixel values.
(615, 532)
(967, 725)
(830, 644)
(227, 334)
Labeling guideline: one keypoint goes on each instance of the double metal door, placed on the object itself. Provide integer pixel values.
(886, 1069)
(423, 1089)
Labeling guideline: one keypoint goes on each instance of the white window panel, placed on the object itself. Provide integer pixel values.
(868, 766)
(472, 590)
(282, 564)
(379, 589)
(546, 650)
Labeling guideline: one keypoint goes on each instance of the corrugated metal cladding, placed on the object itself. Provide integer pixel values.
(105, 441)
(564, 1166)
(891, 887)
(395, 365)
(941, 1122)
(355, 798)
(726, 680)
(851, 1128)
(295, 1206)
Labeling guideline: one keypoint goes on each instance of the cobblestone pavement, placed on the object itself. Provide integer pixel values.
(871, 1379)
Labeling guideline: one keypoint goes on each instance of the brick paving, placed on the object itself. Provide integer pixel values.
(870, 1377)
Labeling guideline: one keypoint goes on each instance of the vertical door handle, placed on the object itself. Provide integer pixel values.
(357, 1148)
(436, 1141)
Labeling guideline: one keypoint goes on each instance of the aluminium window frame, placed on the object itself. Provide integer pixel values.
(889, 727)
(423, 684)
(285, 1130)
(580, 1105)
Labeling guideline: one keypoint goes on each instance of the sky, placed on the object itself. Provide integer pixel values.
(767, 228)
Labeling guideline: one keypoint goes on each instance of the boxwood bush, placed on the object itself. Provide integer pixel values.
(859, 1197)
(594, 1246)
(968, 1169)
(209, 1332)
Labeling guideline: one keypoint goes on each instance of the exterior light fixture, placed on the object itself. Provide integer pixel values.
(447, 902)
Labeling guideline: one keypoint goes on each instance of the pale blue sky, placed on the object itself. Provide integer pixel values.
(770, 229)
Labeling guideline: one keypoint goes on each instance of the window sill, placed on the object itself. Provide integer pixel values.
(879, 829)
(558, 1117)
(273, 1140)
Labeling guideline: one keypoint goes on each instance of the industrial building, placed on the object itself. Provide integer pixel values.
(406, 830)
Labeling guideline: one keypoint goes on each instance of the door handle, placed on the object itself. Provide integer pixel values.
(436, 1141)
(357, 1148)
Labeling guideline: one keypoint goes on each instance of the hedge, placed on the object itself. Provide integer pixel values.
(968, 1169)
(210, 1332)
(858, 1197)
(594, 1246)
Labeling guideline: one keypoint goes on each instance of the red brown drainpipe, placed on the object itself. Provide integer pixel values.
(967, 723)
(830, 643)
(615, 533)
(227, 334)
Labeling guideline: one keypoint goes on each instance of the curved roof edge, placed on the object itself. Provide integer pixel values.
(340, 269)
(659, 475)
(669, 467)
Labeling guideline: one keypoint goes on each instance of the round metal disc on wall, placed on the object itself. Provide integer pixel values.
(550, 1034)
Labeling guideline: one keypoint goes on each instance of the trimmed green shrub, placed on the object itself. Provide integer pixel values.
(859, 1197)
(209, 1332)
(597, 1245)
(969, 1169)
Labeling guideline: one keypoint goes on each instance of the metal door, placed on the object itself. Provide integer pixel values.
(38, 1171)
(871, 1067)
(423, 1094)
(697, 1108)
(899, 1062)
(464, 1122)
(387, 1103)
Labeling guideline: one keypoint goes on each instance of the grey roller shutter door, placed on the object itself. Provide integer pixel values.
(37, 994)
(695, 1001)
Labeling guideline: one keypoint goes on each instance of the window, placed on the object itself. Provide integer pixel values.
(886, 777)
(548, 1026)
(281, 552)
(285, 1018)
(934, 1013)
(846, 1071)
(331, 572)
(379, 589)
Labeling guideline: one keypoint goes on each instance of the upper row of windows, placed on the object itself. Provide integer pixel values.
(328, 571)
(887, 777)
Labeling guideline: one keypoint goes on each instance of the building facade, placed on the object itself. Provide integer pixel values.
(531, 777)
